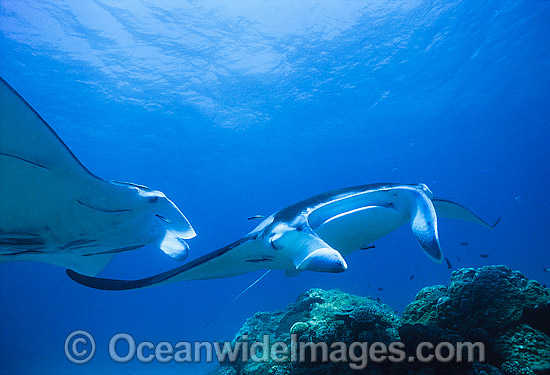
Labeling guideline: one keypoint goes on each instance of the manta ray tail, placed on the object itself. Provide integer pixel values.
(424, 226)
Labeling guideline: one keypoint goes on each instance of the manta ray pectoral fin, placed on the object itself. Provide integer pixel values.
(93, 264)
(87, 265)
(448, 209)
(292, 273)
(174, 245)
(323, 260)
(424, 226)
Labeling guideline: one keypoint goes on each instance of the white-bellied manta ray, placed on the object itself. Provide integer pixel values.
(54, 210)
(316, 234)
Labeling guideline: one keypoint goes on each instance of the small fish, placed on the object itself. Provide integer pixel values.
(484, 255)
(547, 269)
(380, 289)
(256, 217)
(411, 277)
(449, 265)
(458, 258)
(366, 247)
(518, 198)
(465, 243)
(368, 286)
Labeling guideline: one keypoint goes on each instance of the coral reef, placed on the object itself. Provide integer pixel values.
(515, 368)
(501, 309)
(509, 311)
(326, 316)
(425, 306)
(489, 297)
(526, 346)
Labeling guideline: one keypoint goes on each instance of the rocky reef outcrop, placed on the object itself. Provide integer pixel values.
(332, 332)
(512, 312)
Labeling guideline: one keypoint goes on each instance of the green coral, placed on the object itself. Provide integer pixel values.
(424, 308)
(490, 304)
(515, 368)
(525, 345)
(299, 328)
(493, 305)
(489, 297)
(319, 315)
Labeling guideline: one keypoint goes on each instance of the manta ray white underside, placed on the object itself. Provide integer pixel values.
(316, 234)
(54, 210)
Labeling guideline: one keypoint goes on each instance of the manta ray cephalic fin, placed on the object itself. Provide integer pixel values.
(312, 253)
(424, 226)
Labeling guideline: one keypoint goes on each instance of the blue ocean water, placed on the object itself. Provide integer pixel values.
(241, 108)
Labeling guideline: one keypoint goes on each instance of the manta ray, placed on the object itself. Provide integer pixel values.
(54, 210)
(316, 234)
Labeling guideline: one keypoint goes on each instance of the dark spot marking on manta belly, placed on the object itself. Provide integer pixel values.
(85, 246)
(25, 252)
(26, 161)
(74, 243)
(153, 199)
(115, 211)
(258, 260)
(114, 251)
(15, 241)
